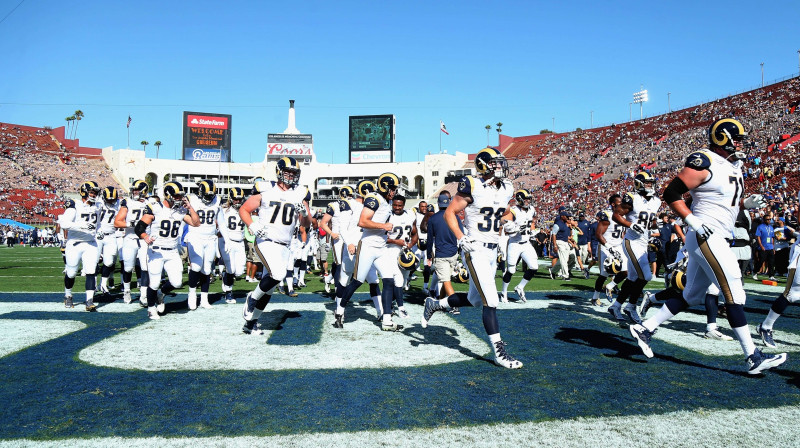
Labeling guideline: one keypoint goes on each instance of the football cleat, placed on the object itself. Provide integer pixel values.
(391, 326)
(766, 336)
(251, 327)
(550, 271)
(503, 297)
(503, 359)
(597, 302)
(191, 299)
(338, 321)
(327, 287)
(586, 273)
(161, 307)
(431, 306)
(126, 296)
(617, 315)
(229, 297)
(104, 290)
(68, 301)
(520, 293)
(292, 293)
(143, 299)
(454, 311)
(643, 336)
(759, 362)
(249, 307)
(630, 311)
(152, 313)
(204, 303)
(718, 335)
(91, 307)
(647, 302)
(402, 314)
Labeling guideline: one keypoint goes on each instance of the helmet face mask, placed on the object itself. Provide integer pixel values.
(645, 184)
(208, 191)
(236, 197)
(288, 171)
(139, 190)
(523, 198)
(490, 163)
(174, 194)
(89, 191)
(728, 135)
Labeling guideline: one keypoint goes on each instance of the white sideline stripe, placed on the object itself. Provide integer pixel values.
(10, 307)
(18, 334)
(702, 427)
(213, 340)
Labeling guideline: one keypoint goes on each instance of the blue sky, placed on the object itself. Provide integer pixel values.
(467, 63)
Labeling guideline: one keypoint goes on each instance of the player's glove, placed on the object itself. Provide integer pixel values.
(638, 230)
(510, 228)
(703, 231)
(755, 201)
(614, 253)
(99, 236)
(300, 207)
(467, 244)
(258, 229)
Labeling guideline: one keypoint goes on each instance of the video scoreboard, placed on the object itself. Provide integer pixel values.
(206, 137)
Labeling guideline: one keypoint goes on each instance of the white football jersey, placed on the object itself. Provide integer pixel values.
(105, 216)
(643, 212)
(230, 224)
(78, 214)
(614, 233)
(403, 224)
(383, 210)
(340, 214)
(419, 215)
(133, 215)
(716, 201)
(349, 230)
(207, 214)
(522, 218)
(166, 225)
(278, 211)
(489, 203)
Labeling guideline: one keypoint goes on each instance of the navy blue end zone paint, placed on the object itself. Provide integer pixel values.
(575, 365)
(292, 327)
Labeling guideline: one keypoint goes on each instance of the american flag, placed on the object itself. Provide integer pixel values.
(129, 121)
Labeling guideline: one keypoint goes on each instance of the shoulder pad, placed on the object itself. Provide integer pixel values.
(414, 210)
(466, 185)
(514, 211)
(698, 161)
(604, 216)
(371, 202)
(148, 210)
(307, 197)
(344, 205)
(628, 198)
(124, 203)
(329, 210)
(69, 203)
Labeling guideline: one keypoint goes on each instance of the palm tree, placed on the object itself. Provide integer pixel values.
(488, 128)
(499, 130)
(144, 144)
(69, 120)
(157, 144)
(78, 115)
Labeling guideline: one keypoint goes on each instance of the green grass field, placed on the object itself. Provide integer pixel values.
(72, 378)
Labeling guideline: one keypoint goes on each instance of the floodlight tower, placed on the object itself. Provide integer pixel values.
(640, 98)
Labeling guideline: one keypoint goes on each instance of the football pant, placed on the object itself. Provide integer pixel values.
(638, 262)
(202, 251)
(165, 261)
(522, 250)
(482, 265)
(712, 262)
(83, 252)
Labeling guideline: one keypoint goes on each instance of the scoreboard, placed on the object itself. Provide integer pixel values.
(372, 138)
(206, 137)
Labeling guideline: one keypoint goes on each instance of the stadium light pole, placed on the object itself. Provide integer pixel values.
(640, 98)
(554, 125)
(669, 107)
(591, 119)
(762, 74)
(630, 111)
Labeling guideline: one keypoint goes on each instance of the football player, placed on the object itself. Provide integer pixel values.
(106, 234)
(485, 200)
(637, 212)
(372, 249)
(336, 214)
(791, 294)
(402, 236)
(80, 221)
(164, 220)
(714, 179)
(201, 242)
(281, 204)
(134, 254)
(519, 230)
(610, 237)
(420, 248)
(351, 235)
(231, 230)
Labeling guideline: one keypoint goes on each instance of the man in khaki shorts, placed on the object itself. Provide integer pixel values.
(442, 247)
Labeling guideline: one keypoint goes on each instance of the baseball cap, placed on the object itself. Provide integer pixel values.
(444, 201)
